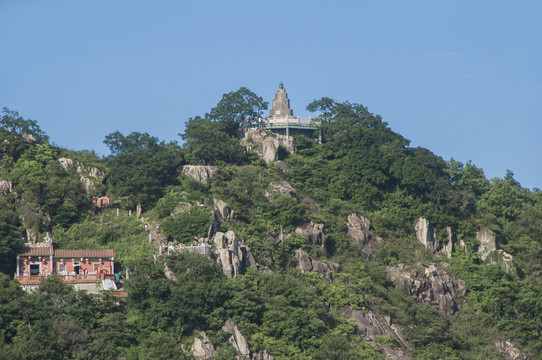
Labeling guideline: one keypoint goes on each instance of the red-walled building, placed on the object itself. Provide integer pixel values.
(83, 268)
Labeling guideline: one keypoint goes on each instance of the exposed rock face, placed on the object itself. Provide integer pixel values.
(32, 219)
(510, 352)
(448, 247)
(488, 242)
(262, 355)
(266, 146)
(232, 257)
(502, 259)
(202, 348)
(5, 187)
(305, 264)
(283, 167)
(281, 188)
(182, 207)
(237, 339)
(199, 173)
(66, 163)
(392, 354)
(462, 245)
(367, 323)
(89, 176)
(367, 326)
(435, 287)
(247, 259)
(314, 232)
(490, 253)
(223, 210)
(425, 232)
(169, 274)
(358, 230)
(270, 149)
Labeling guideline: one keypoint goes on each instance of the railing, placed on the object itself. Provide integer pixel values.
(77, 278)
(203, 249)
(80, 278)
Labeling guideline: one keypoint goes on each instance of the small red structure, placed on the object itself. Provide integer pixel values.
(101, 201)
(78, 267)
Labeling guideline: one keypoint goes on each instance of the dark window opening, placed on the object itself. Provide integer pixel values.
(34, 269)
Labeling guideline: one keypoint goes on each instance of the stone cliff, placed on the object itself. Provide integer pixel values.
(89, 176)
(431, 285)
(266, 145)
(199, 173)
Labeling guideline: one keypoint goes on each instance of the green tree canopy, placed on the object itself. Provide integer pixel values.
(234, 108)
(17, 134)
(141, 166)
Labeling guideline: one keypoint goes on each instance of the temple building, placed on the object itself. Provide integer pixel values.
(281, 120)
(90, 270)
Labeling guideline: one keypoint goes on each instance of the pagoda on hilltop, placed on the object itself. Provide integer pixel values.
(282, 122)
(281, 105)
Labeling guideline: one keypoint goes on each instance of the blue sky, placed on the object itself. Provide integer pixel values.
(461, 78)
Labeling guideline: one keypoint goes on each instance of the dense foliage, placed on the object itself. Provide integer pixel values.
(361, 167)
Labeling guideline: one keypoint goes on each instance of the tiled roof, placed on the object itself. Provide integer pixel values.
(84, 253)
(36, 251)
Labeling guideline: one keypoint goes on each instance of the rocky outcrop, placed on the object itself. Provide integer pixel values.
(314, 233)
(368, 326)
(281, 188)
(266, 145)
(510, 352)
(488, 242)
(221, 213)
(66, 163)
(262, 355)
(358, 230)
(237, 339)
(425, 232)
(5, 187)
(462, 246)
(203, 349)
(32, 219)
(502, 259)
(199, 173)
(232, 257)
(169, 274)
(240, 344)
(392, 354)
(222, 210)
(247, 259)
(447, 248)
(283, 167)
(432, 285)
(491, 254)
(305, 264)
(270, 149)
(89, 176)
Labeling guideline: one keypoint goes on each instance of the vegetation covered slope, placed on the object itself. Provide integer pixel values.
(361, 167)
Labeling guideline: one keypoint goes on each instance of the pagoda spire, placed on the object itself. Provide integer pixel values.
(281, 104)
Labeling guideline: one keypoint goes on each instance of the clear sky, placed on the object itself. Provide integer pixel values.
(461, 78)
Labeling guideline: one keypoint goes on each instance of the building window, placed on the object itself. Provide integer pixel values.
(62, 269)
(34, 269)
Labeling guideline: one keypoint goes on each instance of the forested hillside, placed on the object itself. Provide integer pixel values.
(358, 247)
